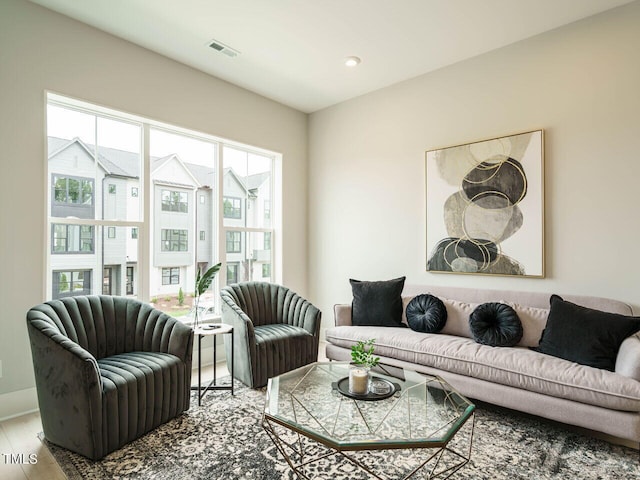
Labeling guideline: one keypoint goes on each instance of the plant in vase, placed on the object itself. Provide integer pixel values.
(203, 282)
(363, 360)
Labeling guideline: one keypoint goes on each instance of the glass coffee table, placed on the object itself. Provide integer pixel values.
(425, 427)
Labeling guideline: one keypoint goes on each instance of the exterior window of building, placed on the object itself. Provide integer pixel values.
(234, 242)
(130, 278)
(112, 189)
(67, 283)
(267, 209)
(134, 191)
(111, 232)
(73, 190)
(134, 232)
(174, 201)
(107, 280)
(202, 235)
(266, 270)
(232, 207)
(173, 240)
(72, 239)
(267, 240)
(232, 273)
(171, 276)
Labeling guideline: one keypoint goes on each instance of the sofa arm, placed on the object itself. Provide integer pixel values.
(342, 313)
(628, 359)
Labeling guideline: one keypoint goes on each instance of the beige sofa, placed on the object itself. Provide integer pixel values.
(514, 377)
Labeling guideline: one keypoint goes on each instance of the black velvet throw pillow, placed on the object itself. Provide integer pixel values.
(495, 324)
(377, 303)
(426, 314)
(584, 335)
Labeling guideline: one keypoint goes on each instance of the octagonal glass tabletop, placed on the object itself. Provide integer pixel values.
(425, 412)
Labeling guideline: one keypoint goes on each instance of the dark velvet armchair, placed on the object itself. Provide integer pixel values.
(274, 330)
(108, 370)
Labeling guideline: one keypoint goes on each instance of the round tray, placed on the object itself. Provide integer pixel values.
(342, 386)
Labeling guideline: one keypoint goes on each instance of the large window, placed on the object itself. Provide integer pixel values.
(174, 240)
(173, 201)
(120, 217)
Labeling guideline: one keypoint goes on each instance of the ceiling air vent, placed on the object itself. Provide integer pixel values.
(222, 48)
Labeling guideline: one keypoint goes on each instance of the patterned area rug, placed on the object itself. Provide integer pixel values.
(224, 439)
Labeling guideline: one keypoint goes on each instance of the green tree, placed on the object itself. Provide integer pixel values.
(180, 297)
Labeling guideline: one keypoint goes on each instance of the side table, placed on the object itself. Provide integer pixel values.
(214, 330)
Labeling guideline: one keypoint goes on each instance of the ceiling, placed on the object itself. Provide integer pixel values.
(293, 51)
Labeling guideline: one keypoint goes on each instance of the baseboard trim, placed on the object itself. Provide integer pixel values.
(18, 403)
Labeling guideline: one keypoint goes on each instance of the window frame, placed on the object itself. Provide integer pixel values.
(173, 205)
(171, 274)
(144, 262)
(72, 281)
(169, 237)
(233, 208)
(81, 180)
(233, 241)
(67, 243)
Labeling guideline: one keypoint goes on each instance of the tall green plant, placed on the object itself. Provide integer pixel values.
(203, 282)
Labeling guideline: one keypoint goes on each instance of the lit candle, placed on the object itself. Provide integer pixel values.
(358, 381)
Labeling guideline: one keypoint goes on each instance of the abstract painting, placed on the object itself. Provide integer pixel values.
(485, 207)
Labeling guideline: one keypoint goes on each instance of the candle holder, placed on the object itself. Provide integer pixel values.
(358, 380)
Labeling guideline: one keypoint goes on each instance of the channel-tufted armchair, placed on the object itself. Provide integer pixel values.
(274, 330)
(108, 370)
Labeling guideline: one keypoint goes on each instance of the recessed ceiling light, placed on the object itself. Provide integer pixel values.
(351, 61)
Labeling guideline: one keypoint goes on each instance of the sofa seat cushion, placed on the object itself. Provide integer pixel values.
(514, 366)
(141, 390)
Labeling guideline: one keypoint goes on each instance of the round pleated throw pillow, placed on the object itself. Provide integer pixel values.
(426, 314)
(495, 324)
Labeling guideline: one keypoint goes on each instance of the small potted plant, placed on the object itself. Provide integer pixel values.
(363, 360)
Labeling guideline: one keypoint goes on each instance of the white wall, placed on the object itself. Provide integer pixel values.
(41, 50)
(580, 83)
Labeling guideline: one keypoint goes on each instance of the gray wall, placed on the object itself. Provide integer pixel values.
(41, 50)
(579, 83)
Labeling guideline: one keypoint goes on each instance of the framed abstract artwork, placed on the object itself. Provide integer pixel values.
(485, 207)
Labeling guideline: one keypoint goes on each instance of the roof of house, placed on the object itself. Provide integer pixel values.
(127, 164)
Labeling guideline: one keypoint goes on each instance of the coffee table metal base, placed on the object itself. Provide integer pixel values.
(440, 462)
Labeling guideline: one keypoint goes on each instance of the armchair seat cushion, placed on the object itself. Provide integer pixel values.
(280, 331)
(142, 390)
(282, 347)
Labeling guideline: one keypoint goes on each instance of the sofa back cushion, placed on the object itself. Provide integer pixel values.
(377, 302)
(584, 335)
